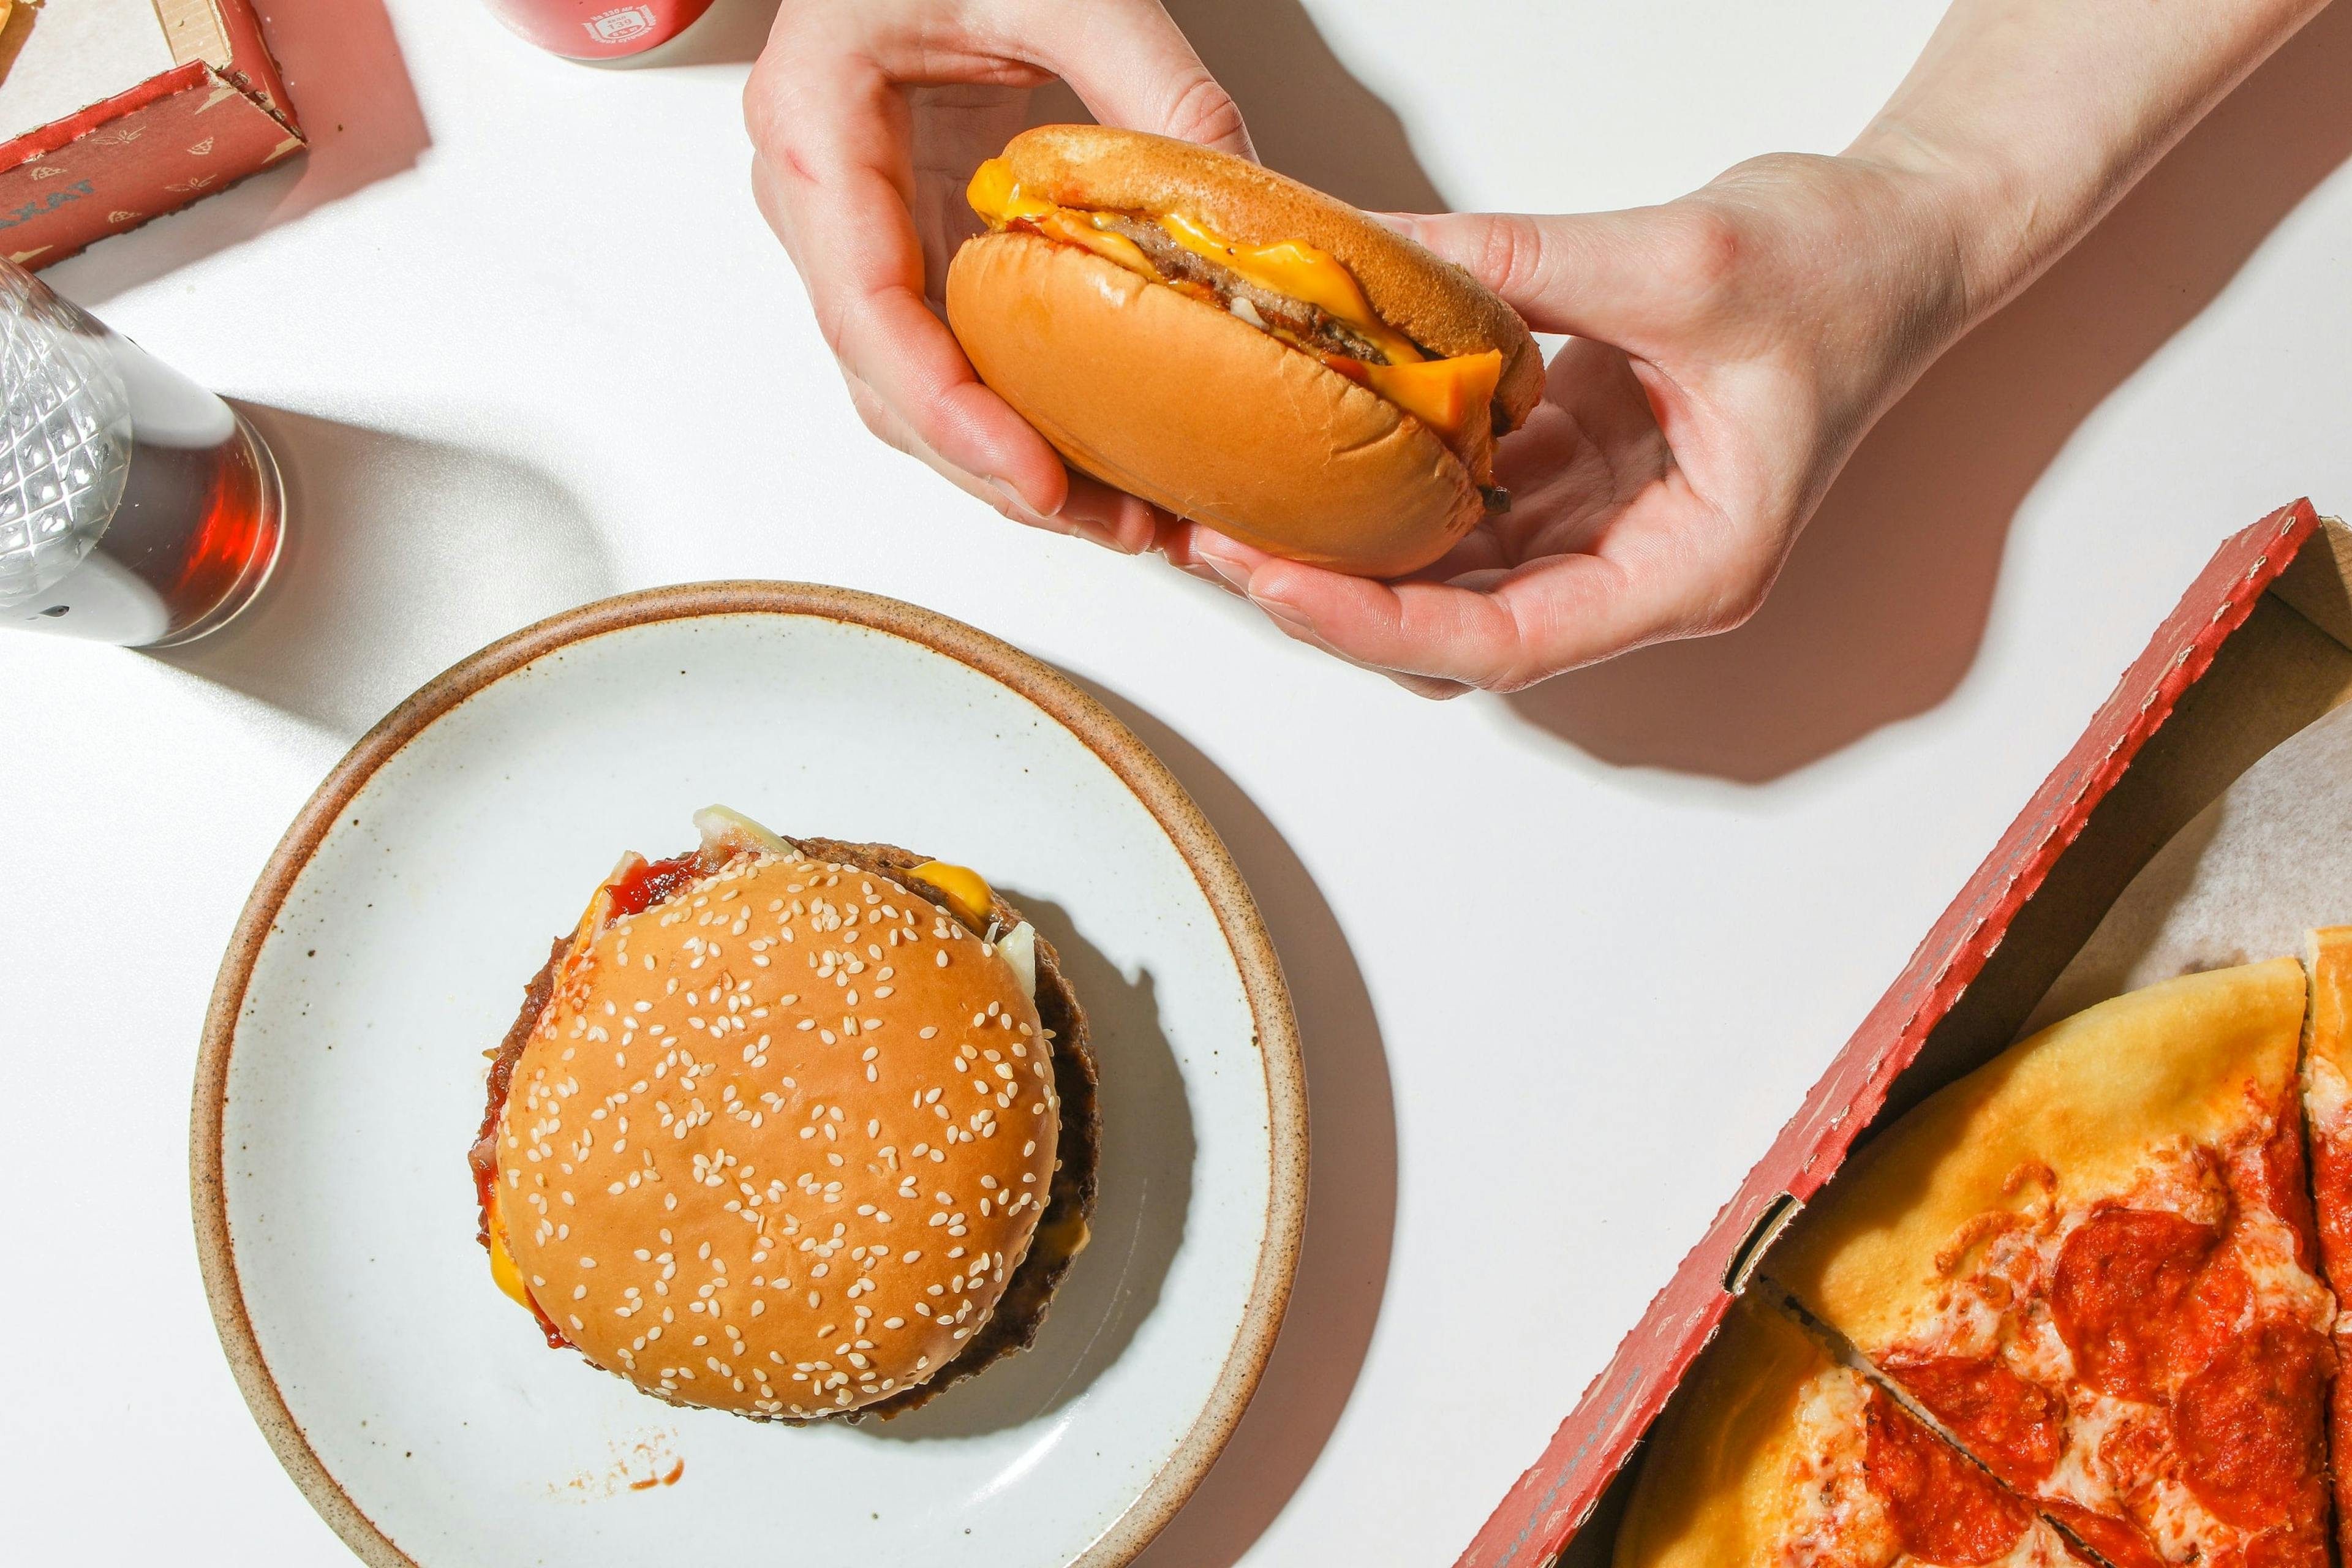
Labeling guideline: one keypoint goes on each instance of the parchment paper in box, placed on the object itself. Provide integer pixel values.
(2243, 882)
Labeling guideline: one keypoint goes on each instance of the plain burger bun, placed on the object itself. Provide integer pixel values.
(1175, 399)
(782, 1143)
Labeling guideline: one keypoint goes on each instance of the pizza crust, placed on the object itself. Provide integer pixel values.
(2063, 1119)
(1711, 1489)
(2328, 953)
(2328, 1110)
(1761, 1461)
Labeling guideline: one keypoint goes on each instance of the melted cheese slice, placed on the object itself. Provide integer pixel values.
(502, 1264)
(1299, 271)
(965, 887)
(995, 196)
(1447, 393)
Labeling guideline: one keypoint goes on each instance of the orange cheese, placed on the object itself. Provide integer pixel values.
(1301, 271)
(503, 1270)
(995, 196)
(965, 887)
(1448, 393)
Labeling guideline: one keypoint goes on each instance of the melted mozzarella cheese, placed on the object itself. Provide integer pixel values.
(2329, 1096)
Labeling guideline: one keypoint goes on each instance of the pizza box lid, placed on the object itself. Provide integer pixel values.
(113, 112)
(2260, 646)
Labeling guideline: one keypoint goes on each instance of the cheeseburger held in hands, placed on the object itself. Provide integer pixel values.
(790, 1129)
(1239, 349)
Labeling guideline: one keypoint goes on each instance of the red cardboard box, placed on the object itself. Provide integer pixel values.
(2260, 647)
(116, 111)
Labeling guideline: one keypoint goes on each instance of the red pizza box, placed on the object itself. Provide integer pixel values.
(116, 111)
(2260, 647)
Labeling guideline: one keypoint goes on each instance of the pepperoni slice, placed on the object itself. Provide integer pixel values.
(1943, 1509)
(2015, 1427)
(2303, 1546)
(2280, 1183)
(2249, 1428)
(2116, 1541)
(2331, 1181)
(2127, 1280)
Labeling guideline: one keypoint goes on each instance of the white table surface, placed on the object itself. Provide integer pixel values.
(520, 341)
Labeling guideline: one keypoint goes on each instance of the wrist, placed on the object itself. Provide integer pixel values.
(1995, 235)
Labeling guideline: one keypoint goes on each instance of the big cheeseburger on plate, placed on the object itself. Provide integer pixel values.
(793, 1129)
(1239, 349)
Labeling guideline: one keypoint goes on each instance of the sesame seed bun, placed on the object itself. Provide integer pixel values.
(1170, 396)
(781, 1144)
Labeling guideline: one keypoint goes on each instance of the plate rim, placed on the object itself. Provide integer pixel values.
(1101, 732)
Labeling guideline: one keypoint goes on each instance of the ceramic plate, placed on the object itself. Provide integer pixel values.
(385, 949)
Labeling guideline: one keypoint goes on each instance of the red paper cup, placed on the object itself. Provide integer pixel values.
(598, 29)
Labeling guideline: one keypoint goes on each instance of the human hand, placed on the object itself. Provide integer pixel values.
(1729, 349)
(867, 117)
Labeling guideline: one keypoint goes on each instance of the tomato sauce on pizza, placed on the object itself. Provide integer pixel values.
(2093, 1262)
(2157, 1367)
(2103, 1269)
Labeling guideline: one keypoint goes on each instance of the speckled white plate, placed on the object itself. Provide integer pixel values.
(385, 949)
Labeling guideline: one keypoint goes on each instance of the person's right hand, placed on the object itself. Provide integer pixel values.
(867, 118)
(1726, 352)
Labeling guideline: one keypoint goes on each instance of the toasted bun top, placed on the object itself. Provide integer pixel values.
(778, 1143)
(1430, 299)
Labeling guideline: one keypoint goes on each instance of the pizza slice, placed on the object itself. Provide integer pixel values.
(2093, 1261)
(2327, 1102)
(1774, 1455)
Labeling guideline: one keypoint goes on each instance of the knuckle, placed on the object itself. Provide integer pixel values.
(764, 93)
(1518, 257)
(1205, 111)
(833, 326)
(1734, 605)
(873, 416)
(1528, 669)
(1702, 251)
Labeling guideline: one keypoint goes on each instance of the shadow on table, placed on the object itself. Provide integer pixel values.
(401, 556)
(1353, 1180)
(1308, 116)
(732, 32)
(1882, 609)
(1139, 1210)
(351, 89)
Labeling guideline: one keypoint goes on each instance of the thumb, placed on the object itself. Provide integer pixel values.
(1604, 275)
(1133, 68)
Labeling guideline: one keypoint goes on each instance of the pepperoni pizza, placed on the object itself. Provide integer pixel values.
(1779, 1455)
(2327, 1103)
(2094, 1264)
